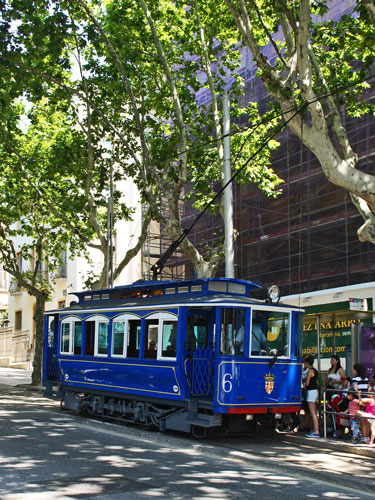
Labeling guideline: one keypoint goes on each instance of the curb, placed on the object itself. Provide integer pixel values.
(328, 444)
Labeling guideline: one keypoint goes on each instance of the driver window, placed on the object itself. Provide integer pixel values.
(269, 333)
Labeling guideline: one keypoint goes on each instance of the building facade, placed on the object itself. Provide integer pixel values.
(17, 339)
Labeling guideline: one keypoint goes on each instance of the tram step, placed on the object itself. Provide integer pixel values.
(206, 421)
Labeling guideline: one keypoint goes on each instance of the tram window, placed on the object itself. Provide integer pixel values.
(90, 338)
(118, 343)
(197, 331)
(270, 333)
(134, 337)
(151, 339)
(71, 336)
(51, 331)
(65, 338)
(232, 331)
(97, 334)
(169, 338)
(77, 337)
(102, 338)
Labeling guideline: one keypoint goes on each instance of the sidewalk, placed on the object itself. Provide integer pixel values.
(330, 444)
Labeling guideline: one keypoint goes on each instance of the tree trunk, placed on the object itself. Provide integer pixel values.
(36, 377)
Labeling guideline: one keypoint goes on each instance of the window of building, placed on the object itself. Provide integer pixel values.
(97, 336)
(61, 304)
(232, 331)
(71, 336)
(270, 333)
(18, 320)
(61, 271)
(19, 261)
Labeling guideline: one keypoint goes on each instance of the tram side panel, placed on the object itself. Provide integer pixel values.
(157, 378)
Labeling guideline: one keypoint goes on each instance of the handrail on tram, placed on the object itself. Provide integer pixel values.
(327, 412)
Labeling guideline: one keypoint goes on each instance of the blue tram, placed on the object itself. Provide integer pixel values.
(194, 356)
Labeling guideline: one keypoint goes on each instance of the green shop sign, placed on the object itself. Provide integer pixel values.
(334, 336)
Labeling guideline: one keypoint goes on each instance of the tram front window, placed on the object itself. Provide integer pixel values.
(269, 333)
(232, 331)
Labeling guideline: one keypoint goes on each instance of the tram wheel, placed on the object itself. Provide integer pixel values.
(199, 432)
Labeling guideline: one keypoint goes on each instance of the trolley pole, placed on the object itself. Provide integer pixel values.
(228, 192)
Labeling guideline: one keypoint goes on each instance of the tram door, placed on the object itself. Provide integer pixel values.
(199, 351)
(52, 366)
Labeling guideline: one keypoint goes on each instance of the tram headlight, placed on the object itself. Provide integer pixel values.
(273, 293)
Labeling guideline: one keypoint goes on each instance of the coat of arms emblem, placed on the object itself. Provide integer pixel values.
(269, 378)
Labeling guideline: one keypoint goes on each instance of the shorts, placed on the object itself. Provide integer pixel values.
(312, 395)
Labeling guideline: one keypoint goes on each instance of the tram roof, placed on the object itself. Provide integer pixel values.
(200, 292)
(167, 303)
(171, 288)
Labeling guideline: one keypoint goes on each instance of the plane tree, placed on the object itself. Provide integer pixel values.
(317, 71)
(152, 78)
(38, 200)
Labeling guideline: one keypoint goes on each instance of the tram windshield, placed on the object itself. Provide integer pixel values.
(270, 333)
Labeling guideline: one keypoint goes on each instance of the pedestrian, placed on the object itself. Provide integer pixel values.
(336, 375)
(353, 407)
(368, 415)
(359, 381)
(304, 405)
(312, 395)
(371, 387)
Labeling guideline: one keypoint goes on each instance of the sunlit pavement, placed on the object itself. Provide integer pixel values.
(14, 376)
(49, 454)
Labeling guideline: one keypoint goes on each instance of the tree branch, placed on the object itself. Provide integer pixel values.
(123, 75)
(179, 119)
(270, 37)
(370, 7)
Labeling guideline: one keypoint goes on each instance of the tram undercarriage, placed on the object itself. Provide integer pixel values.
(188, 417)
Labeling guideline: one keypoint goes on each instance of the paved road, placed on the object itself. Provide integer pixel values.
(49, 454)
(13, 376)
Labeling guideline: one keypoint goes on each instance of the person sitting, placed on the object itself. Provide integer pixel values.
(353, 407)
(239, 339)
(336, 375)
(359, 381)
(258, 341)
(368, 415)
